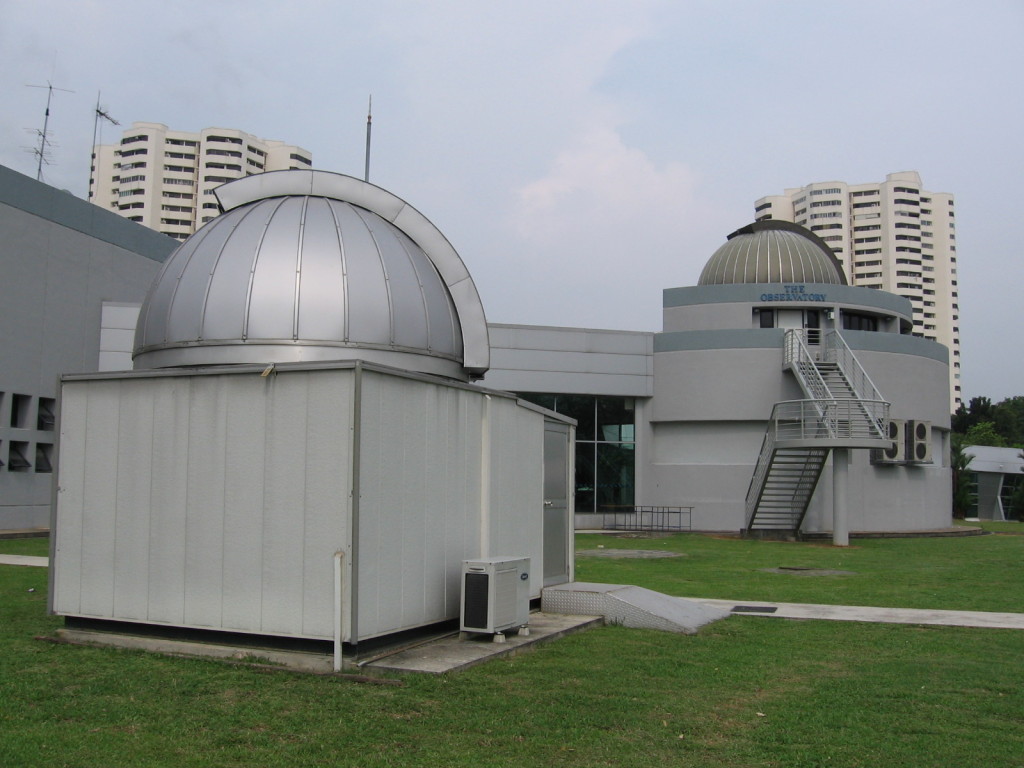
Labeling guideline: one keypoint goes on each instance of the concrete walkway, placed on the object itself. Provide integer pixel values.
(987, 619)
(41, 562)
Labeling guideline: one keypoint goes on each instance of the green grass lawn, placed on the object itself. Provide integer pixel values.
(975, 573)
(746, 691)
(34, 545)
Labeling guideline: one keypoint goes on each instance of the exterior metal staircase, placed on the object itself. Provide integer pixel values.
(844, 410)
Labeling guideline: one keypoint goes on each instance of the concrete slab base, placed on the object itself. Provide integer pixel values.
(24, 533)
(630, 606)
(436, 656)
(454, 653)
(300, 661)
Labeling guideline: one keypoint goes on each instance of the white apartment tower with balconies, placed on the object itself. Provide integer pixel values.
(894, 236)
(164, 179)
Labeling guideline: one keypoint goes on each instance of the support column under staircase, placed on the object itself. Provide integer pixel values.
(840, 472)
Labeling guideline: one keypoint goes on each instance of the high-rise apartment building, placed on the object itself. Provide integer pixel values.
(164, 179)
(894, 236)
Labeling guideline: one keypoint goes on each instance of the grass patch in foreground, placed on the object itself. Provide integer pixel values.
(744, 692)
(979, 573)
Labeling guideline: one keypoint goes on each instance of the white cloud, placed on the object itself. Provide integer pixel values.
(597, 237)
(617, 191)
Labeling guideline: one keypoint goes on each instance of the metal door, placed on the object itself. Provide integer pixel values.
(558, 529)
(812, 326)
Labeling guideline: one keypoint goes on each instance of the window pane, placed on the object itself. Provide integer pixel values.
(581, 408)
(615, 477)
(615, 419)
(585, 477)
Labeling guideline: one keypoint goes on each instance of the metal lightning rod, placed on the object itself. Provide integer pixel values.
(369, 125)
(46, 123)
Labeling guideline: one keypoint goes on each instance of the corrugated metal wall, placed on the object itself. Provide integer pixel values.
(421, 504)
(159, 521)
(218, 501)
(517, 487)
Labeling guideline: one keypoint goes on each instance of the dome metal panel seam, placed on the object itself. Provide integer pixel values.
(384, 268)
(253, 265)
(213, 270)
(298, 268)
(177, 283)
(344, 270)
(419, 282)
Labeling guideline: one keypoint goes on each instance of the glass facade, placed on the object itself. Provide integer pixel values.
(605, 448)
(1012, 497)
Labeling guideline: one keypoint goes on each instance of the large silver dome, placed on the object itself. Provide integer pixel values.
(314, 266)
(773, 252)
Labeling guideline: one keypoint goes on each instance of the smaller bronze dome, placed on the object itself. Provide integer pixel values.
(773, 252)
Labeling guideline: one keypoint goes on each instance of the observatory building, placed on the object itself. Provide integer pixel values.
(299, 451)
(776, 398)
(321, 426)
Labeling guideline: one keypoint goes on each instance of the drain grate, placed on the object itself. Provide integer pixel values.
(754, 609)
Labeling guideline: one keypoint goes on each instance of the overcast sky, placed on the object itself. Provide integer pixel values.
(580, 155)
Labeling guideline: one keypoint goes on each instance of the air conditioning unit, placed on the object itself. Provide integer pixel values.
(897, 452)
(495, 594)
(919, 442)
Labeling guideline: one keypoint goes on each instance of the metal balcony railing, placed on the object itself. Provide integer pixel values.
(810, 421)
(648, 519)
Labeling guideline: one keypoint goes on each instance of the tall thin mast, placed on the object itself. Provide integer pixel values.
(41, 152)
(100, 112)
(369, 125)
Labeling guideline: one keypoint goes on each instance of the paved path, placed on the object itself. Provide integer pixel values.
(989, 619)
(42, 562)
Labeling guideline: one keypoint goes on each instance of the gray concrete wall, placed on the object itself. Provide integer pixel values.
(721, 384)
(759, 294)
(713, 397)
(60, 258)
(570, 360)
(885, 497)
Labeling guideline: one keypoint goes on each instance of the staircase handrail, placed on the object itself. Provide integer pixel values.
(760, 473)
(799, 359)
(790, 420)
(839, 352)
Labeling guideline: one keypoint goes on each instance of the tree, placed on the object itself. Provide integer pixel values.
(960, 422)
(984, 433)
(1005, 419)
(1008, 418)
(963, 497)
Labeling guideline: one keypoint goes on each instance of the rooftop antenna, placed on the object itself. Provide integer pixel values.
(42, 151)
(369, 124)
(100, 112)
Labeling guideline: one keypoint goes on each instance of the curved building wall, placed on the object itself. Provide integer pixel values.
(717, 377)
(720, 383)
(731, 306)
(907, 497)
